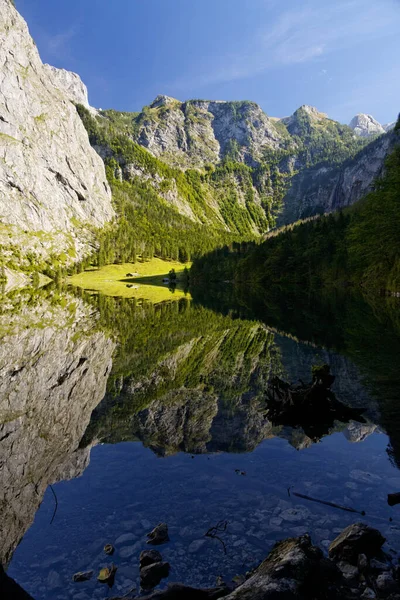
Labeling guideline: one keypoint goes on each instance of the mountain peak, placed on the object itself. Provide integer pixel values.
(162, 100)
(295, 123)
(365, 125)
(312, 112)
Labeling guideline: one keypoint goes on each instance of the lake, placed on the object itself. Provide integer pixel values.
(118, 413)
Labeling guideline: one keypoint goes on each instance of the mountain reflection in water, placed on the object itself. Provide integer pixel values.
(184, 378)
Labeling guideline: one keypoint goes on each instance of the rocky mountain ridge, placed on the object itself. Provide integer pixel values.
(199, 132)
(300, 165)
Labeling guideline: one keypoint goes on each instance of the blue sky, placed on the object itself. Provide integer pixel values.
(341, 56)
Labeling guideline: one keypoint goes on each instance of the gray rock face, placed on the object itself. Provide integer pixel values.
(53, 188)
(52, 375)
(69, 83)
(357, 178)
(328, 188)
(365, 125)
(198, 132)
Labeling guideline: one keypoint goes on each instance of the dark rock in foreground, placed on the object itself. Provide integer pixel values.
(355, 540)
(151, 575)
(294, 570)
(297, 570)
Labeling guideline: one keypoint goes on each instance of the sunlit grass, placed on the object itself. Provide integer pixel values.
(145, 282)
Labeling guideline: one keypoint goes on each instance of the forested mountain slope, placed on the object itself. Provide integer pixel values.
(360, 245)
(186, 177)
(229, 165)
(219, 172)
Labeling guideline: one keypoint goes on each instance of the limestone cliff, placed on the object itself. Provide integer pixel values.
(69, 83)
(299, 165)
(198, 132)
(53, 372)
(53, 188)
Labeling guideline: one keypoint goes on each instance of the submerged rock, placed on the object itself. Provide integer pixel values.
(159, 535)
(82, 576)
(107, 575)
(386, 584)
(109, 549)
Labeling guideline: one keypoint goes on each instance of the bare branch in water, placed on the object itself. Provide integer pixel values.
(220, 527)
(56, 506)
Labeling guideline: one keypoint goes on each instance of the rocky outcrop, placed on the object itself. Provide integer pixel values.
(365, 125)
(53, 372)
(198, 132)
(53, 188)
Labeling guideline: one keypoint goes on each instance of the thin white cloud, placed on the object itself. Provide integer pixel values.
(305, 34)
(58, 45)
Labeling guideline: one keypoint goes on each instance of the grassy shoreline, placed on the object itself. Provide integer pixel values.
(133, 280)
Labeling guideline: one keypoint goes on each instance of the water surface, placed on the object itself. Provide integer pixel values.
(138, 413)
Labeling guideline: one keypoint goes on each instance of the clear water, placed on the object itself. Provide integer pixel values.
(182, 437)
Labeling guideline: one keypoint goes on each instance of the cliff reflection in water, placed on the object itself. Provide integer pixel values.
(53, 372)
(183, 378)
